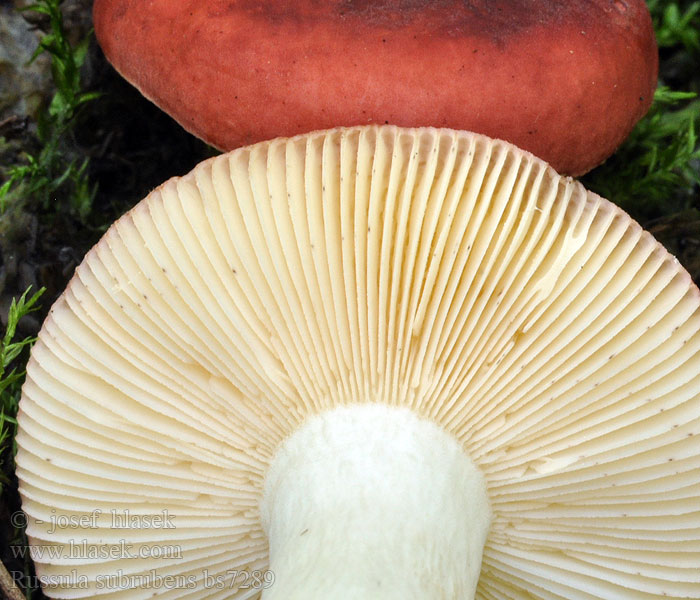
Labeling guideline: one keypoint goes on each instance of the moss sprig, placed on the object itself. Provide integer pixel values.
(676, 23)
(11, 377)
(53, 178)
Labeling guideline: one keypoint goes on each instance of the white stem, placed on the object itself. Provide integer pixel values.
(370, 501)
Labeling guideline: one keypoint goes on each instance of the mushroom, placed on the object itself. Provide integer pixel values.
(368, 363)
(537, 73)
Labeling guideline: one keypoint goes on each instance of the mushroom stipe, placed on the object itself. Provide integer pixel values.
(368, 363)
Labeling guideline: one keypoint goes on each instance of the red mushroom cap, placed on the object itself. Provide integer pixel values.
(566, 79)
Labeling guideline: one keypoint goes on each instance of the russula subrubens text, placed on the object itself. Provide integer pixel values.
(564, 79)
(369, 362)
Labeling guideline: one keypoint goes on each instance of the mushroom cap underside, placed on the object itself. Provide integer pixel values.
(432, 269)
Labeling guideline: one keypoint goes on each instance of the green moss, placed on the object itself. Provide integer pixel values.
(53, 178)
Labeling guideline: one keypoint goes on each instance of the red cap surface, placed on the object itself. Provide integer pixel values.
(566, 80)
